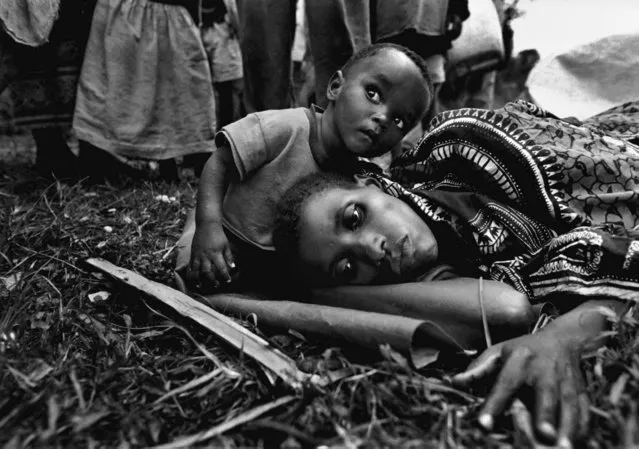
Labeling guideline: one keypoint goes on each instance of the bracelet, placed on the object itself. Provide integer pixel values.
(482, 309)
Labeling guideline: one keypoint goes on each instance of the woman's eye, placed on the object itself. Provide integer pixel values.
(399, 123)
(353, 217)
(372, 94)
(345, 271)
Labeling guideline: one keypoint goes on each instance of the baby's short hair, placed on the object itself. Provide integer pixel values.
(286, 231)
(372, 50)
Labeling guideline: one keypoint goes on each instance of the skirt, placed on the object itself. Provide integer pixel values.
(145, 89)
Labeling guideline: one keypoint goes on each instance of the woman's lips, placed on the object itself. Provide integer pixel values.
(397, 259)
(407, 255)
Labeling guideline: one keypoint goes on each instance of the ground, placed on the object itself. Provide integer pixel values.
(118, 370)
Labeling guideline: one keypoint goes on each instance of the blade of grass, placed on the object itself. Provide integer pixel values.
(192, 384)
(250, 415)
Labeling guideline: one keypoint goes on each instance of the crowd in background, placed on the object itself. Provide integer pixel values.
(154, 80)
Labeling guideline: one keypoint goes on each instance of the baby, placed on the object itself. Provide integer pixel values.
(380, 94)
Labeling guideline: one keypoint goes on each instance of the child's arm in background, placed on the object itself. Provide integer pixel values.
(452, 304)
(211, 257)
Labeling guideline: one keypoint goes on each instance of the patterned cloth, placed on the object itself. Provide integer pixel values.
(542, 204)
(38, 84)
(561, 173)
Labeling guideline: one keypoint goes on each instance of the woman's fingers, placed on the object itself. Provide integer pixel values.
(546, 399)
(584, 414)
(570, 411)
(510, 379)
(482, 366)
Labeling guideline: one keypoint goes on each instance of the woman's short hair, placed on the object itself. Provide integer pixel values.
(286, 232)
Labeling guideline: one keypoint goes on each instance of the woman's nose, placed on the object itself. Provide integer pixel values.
(373, 246)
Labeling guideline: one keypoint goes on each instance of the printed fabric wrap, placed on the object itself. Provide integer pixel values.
(546, 205)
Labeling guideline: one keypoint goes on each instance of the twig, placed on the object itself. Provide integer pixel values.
(227, 329)
(188, 441)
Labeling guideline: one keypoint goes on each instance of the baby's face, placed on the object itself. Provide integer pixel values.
(363, 236)
(382, 98)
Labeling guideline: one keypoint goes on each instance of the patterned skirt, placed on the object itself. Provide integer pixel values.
(145, 90)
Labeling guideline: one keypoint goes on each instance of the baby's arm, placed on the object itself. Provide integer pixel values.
(211, 257)
(452, 304)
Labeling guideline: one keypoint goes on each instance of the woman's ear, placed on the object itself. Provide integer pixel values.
(367, 181)
(334, 85)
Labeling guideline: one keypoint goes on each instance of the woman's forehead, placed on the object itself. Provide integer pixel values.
(335, 197)
(322, 205)
(320, 216)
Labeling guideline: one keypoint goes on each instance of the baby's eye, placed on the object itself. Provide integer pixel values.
(373, 94)
(353, 217)
(345, 271)
(399, 123)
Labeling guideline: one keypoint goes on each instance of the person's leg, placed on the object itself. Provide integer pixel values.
(267, 29)
(336, 28)
(481, 90)
(225, 103)
(53, 155)
(98, 166)
(237, 94)
(169, 171)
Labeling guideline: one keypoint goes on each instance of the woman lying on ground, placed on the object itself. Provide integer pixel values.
(337, 232)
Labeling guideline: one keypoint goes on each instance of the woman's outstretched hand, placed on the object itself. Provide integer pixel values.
(547, 362)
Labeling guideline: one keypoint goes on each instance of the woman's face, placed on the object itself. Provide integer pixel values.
(363, 236)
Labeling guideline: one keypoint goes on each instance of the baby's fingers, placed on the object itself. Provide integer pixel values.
(228, 256)
(221, 268)
(193, 270)
(207, 271)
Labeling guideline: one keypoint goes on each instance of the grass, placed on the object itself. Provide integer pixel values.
(119, 371)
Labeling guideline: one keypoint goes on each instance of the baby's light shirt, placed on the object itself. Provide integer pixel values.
(271, 150)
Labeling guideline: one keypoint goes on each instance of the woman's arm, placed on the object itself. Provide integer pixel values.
(452, 304)
(548, 362)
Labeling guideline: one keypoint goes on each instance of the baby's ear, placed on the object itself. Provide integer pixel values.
(335, 85)
(367, 181)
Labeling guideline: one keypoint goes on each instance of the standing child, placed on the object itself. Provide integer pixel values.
(377, 96)
(219, 34)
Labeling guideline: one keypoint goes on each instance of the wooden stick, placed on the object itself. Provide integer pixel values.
(221, 325)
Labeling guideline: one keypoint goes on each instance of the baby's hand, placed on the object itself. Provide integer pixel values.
(211, 257)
